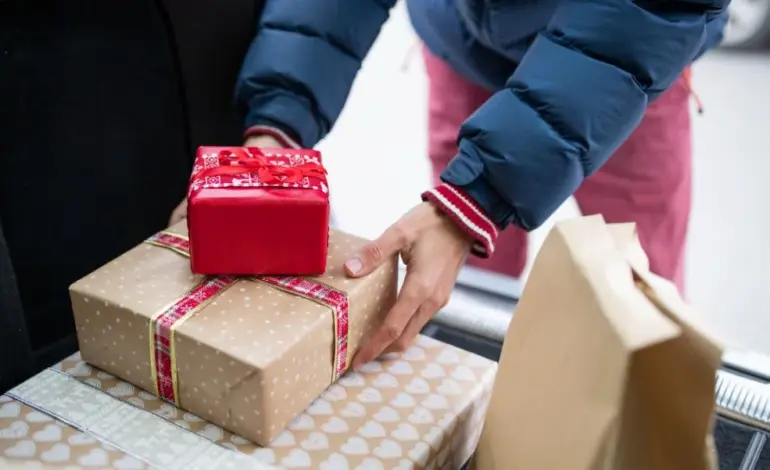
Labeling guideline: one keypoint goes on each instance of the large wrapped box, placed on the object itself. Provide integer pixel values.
(248, 354)
(422, 409)
(253, 211)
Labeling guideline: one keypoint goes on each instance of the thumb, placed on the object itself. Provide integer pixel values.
(373, 254)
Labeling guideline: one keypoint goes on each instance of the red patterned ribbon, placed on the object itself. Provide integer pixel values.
(237, 167)
(165, 322)
(163, 326)
(171, 241)
(329, 297)
(238, 161)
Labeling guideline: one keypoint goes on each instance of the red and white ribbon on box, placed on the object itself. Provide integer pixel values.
(239, 167)
(165, 322)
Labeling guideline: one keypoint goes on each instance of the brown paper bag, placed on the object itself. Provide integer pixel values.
(603, 366)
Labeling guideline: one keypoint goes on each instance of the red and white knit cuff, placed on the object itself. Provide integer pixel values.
(275, 133)
(468, 216)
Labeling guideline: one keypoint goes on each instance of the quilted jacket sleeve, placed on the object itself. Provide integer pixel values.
(578, 93)
(299, 69)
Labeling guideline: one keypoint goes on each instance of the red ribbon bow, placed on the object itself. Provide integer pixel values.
(240, 161)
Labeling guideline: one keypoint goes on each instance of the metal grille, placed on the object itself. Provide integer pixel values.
(743, 400)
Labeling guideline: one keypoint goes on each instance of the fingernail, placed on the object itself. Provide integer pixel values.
(354, 265)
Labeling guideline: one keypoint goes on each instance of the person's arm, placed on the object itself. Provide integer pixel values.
(300, 67)
(715, 32)
(579, 92)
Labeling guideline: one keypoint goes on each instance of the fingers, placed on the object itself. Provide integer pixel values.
(374, 253)
(433, 256)
(179, 214)
(175, 218)
(393, 327)
(413, 328)
(435, 301)
(396, 238)
(420, 299)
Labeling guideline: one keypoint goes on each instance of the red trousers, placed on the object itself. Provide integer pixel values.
(647, 181)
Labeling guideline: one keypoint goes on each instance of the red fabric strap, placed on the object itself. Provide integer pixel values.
(468, 216)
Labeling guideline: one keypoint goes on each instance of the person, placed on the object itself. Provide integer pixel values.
(552, 88)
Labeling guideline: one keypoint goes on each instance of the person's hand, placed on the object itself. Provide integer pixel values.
(261, 141)
(434, 250)
(178, 214)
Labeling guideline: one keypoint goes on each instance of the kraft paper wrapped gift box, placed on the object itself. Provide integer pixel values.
(253, 211)
(246, 354)
(422, 409)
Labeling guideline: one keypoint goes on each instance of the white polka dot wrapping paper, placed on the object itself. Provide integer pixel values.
(421, 409)
(246, 354)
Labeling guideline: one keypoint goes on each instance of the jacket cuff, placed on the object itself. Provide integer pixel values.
(468, 216)
(466, 172)
(282, 137)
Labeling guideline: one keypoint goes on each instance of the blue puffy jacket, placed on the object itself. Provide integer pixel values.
(572, 80)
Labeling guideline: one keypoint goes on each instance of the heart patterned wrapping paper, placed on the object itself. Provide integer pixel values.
(248, 354)
(421, 409)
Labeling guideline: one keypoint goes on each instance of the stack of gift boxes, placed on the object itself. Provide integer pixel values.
(243, 317)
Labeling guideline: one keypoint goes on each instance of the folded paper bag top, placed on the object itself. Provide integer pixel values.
(604, 366)
(248, 354)
(256, 212)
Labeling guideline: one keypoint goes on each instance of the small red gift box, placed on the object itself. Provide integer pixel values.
(256, 211)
